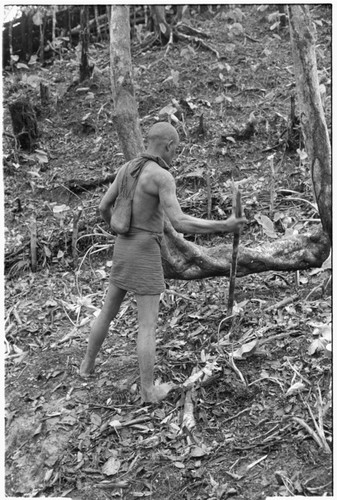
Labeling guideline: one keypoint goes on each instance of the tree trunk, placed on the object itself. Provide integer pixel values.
(182, 11)
(98, 28)
(29, 34)
(161, 25)
(44, 94)
(10, 40)
(41, 48)
(84, 67)
(312, 117)
(69, 26)
(24, 123)
(181, 258)
(282, 15)
(53, 36)
(125, 107)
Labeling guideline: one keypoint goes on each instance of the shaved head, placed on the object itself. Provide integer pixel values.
(162, 132)
(163, 140)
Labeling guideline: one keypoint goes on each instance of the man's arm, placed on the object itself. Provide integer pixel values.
(184, 223)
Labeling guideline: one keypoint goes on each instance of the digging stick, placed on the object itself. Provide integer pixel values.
(75, 235)
(237, 210)
(33, 243)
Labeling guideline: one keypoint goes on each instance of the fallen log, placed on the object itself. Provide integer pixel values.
(79, 185)
(185, 260)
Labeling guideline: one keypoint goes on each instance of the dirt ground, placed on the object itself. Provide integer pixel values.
(263, 422)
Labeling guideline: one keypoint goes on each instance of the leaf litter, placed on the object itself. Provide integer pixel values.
(251, 404)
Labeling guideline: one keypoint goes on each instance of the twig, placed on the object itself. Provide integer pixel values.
(75, 235)
(170, 44)
(135, 421)
(282, 303)
(33, 238)
(298, 373)
(319, 425)
(188, 421)
(232, 364)
(310, 431)
(9, 328)
(270, 148)
(8, 348)
(237, 210)
(198, 41)
(17, 317)
(195, 376)
(293, 198)
(223, 321)
(107, 485)
(314, 290)
(252, 89)
(192, 31)
(235, 416)
(251, 38)
(169, 291)
(272, 185)
(272, 436)
(267, 378)
(209, 193)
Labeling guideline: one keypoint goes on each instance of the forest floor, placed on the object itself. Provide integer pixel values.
(263, 423)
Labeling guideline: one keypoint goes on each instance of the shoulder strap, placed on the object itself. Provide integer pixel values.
(130, 177)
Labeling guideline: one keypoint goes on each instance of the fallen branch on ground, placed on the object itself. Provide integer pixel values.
(283, 302)
(185, 260)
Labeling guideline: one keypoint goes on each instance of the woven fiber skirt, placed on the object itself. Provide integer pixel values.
(136, 263)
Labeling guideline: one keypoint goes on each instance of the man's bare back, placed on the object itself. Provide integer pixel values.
(147, 212)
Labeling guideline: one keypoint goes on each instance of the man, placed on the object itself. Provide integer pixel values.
(137, 259)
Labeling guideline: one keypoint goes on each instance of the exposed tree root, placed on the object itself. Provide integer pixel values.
(185, 260)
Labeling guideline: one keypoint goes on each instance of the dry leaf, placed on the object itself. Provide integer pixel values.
(179, 465)
(198, 451)
(246, 349)
(295, 388)
(115, 423)
(48, 475)
(111, 467)
(96, 419)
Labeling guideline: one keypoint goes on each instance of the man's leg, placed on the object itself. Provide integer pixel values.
(148, 307)
(100, 327)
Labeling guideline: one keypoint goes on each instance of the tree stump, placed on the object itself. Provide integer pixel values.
(85, 70)
(44, 94)
(283, 15)
(24, 123)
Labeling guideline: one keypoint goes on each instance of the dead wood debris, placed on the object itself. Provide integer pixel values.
(184, 33)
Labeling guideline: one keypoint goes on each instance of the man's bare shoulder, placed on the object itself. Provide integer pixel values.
(159, 174)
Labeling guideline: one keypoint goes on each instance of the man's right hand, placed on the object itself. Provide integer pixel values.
(234, 224)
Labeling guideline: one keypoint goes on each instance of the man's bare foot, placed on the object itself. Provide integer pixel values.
(157, 393)
(86, 370)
